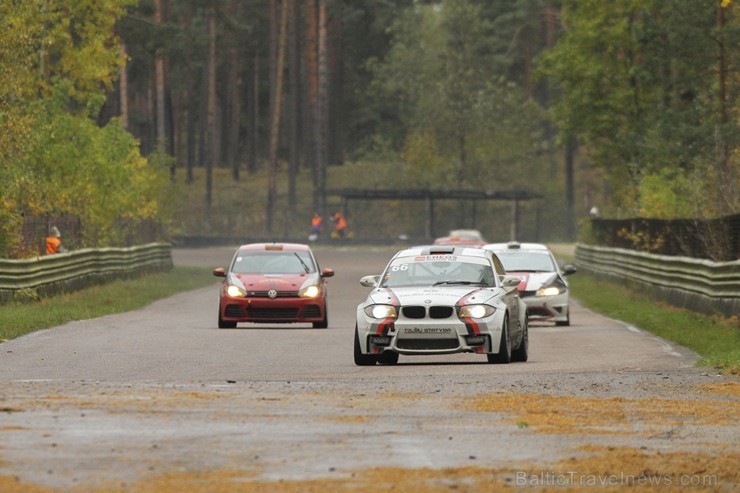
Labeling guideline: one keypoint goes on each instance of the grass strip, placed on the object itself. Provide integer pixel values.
(714, 338)
(19, 318)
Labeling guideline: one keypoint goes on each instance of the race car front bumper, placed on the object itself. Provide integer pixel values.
(428, 336)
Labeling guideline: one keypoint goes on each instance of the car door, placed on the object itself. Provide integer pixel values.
(511, 298)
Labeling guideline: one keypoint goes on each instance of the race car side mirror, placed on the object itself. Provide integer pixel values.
(569, 269)
(219, 272)
(370, 281)
(327, 273)
(511, 281)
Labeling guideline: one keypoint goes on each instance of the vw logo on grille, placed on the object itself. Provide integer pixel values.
(272, 293)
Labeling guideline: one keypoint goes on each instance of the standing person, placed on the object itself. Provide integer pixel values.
(317, 226)
(54, 241)
(340, 224)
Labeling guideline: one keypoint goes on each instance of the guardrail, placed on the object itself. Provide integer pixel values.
(696, 284)
(52, 274)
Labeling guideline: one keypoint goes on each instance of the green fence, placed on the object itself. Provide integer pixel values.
(52, 274)
(696, 284)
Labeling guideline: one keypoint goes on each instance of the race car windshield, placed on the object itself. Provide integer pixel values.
(273, 262)
(418, 272)
(527, 262)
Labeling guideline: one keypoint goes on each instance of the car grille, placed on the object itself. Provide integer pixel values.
(525, 294)
(311, 311)
(280, 294)
(233, 311)
(538, 312)
(440, 311)
(273, 313)
(414, 311)
(427, 344)
(421, 311)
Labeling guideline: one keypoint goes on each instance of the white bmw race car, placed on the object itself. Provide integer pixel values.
(440, 300)
(543, 288)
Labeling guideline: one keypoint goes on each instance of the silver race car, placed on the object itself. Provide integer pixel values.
(440, 300)
(543, 288)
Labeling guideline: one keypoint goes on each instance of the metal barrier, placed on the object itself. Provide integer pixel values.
(696, 284)
(64, 272)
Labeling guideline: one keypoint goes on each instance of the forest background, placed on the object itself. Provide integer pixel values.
(234, 117)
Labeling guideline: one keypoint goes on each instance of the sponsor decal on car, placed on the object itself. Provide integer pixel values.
(427, 330)
(436, 258)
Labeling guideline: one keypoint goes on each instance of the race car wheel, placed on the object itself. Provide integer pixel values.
(521, 353)
(223, 324)
(564, 323)
(323, 323)
(388, 358)
(360, 358)
(504, 348)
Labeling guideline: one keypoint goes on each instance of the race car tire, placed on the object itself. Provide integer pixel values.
(564, 323)
(360, 358)
(223, 324)
(388, 358)
(323, 323)
(504, 348)
(521, 353)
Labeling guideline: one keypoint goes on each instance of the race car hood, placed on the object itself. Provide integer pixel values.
(431, 295)
(279, 282)
(532, 281)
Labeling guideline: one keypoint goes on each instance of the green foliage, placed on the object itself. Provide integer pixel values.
(464, 123)
(639, 86)
(667, 194)
(54, 159)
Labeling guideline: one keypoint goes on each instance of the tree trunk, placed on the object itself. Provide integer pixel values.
(570, 220)
(321, 111)
(211, 117)
(123, 85)
(159, 89)
(275, 115)
(233, 100)
(727, 198)
(254, 112)
(294, 107)
(312, 74)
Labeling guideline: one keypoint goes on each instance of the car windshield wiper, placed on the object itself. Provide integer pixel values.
(457, 282)
(305, 267)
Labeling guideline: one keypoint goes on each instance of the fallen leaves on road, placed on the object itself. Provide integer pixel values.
(614, 415)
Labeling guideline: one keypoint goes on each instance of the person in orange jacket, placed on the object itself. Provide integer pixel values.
(340, 224)
(317, 226)
(54, 241)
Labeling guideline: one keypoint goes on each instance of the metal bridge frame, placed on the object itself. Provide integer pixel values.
(430, 195)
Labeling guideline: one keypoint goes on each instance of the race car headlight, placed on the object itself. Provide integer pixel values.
(309, 292)
(476, 311)
(235, 291)
(381, 311)
(550, 291)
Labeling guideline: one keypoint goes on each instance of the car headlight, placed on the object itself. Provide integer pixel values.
(550, 291)
(476, 311)
(235, 291)
(309, 292)
(381, 311)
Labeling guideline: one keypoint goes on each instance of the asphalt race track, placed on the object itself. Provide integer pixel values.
(132, 399)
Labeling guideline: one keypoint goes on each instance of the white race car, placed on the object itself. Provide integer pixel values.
(543, 287)
(440, 300)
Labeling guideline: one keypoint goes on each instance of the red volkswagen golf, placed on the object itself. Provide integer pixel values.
(273, 283)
